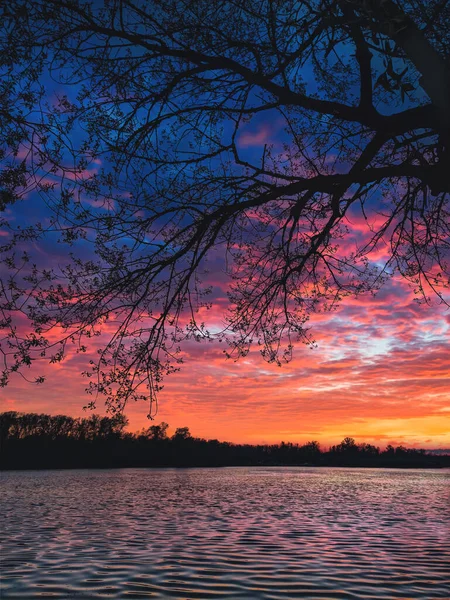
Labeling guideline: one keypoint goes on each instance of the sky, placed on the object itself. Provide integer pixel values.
(380, 371)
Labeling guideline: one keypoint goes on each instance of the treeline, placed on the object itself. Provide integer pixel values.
(34, 441)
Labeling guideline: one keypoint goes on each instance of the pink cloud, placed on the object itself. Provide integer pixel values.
(251, 139)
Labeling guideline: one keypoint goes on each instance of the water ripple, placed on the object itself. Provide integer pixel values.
(226, 533)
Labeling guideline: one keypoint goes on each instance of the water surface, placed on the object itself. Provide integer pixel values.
(226, 533)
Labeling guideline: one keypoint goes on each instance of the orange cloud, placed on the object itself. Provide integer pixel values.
(381, 373)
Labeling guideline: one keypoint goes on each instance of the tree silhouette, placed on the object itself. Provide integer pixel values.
(29, 441)
(181, 434)
(142, 152)
(348, 445)
(157, 432)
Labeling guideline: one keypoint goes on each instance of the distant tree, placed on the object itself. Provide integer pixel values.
(401, 450)
(311, 449)
(369, 449)
(348, 445)
(157, 432)
(29, 441)
(7, 421)
(390, 449)
(142, 152)
(23, 425)
(181, 434)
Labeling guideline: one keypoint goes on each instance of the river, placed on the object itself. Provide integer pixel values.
(226, 533)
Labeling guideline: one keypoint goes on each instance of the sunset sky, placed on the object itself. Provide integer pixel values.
(380, 371)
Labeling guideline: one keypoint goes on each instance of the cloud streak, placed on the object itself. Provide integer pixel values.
(380, 373)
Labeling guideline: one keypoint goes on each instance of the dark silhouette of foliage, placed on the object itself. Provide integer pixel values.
(182, 434)
(156, 432)
(140, 153)
(33, 441)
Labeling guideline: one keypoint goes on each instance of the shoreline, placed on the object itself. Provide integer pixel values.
(231, 466)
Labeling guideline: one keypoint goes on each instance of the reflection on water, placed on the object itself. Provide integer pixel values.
(229, 533)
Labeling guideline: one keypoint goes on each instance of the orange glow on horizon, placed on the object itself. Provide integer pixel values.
(381, 374)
